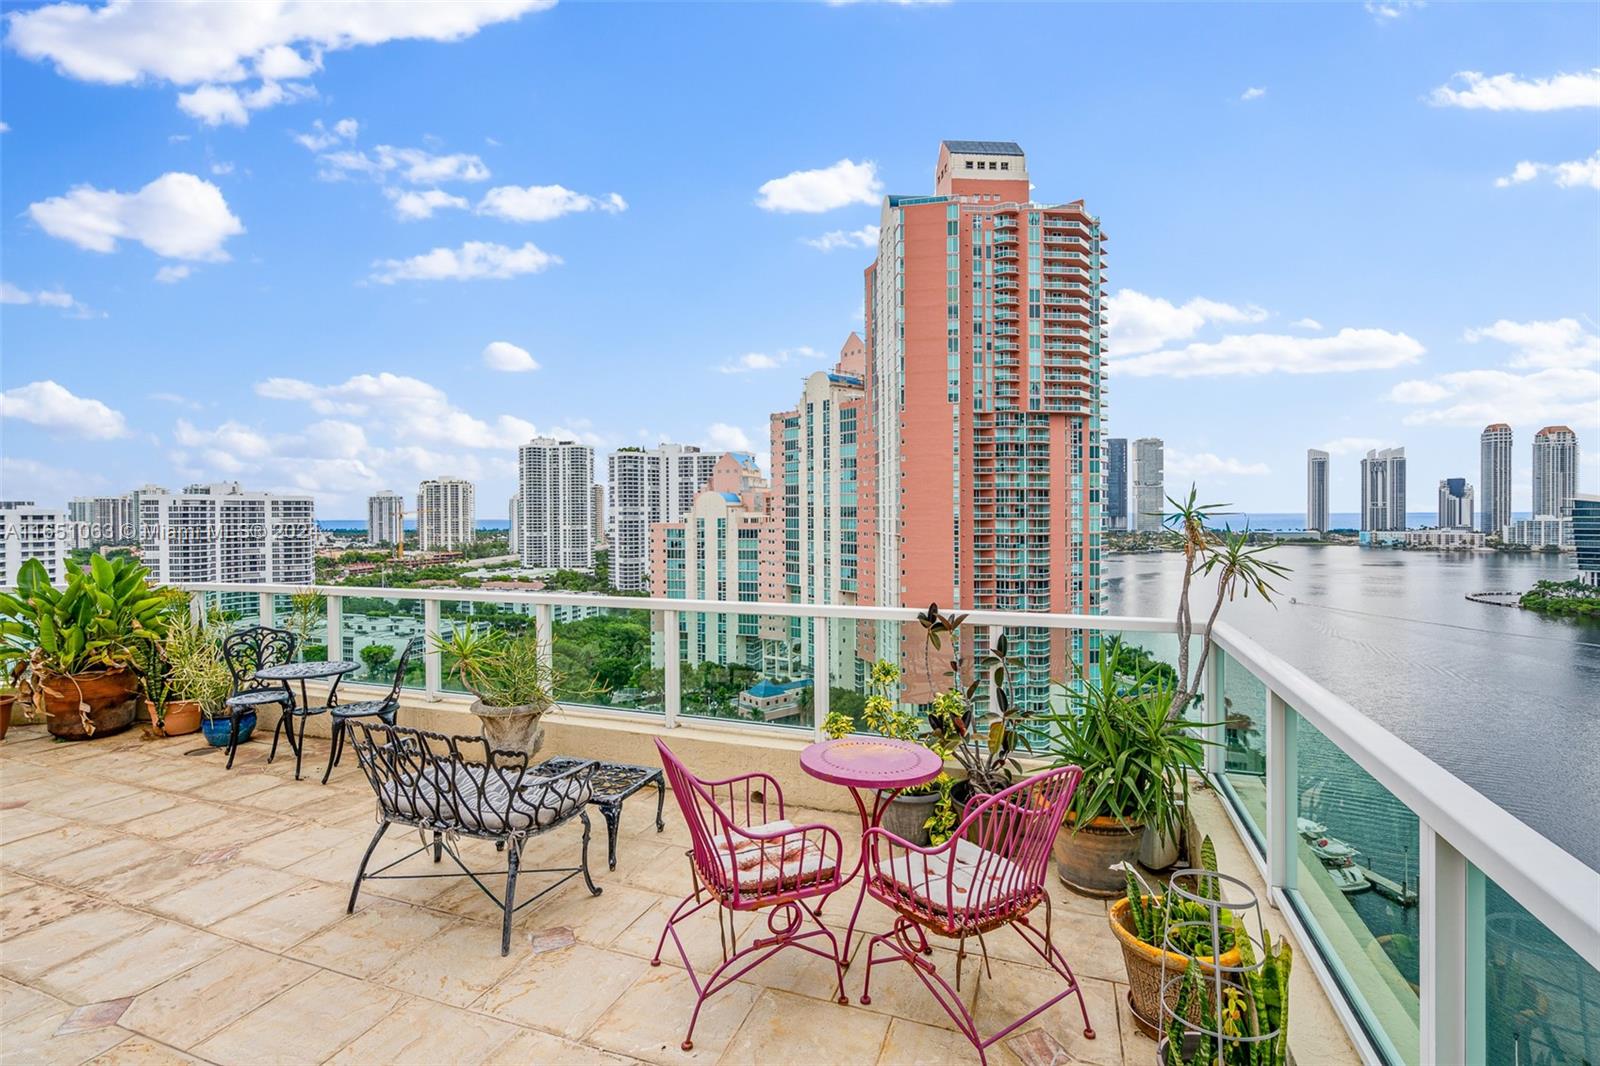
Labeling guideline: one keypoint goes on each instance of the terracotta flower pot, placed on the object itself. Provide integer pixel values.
(7, 701)
(183, 716)
(1144, 965)
(80, 706)
(1087, 861)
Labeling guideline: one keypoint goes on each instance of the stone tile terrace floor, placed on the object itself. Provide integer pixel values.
(156, 908)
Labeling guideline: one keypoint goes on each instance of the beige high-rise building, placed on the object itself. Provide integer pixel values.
(447, 514)
(1555, 471)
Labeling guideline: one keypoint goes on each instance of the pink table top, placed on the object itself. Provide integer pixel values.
(871, 762)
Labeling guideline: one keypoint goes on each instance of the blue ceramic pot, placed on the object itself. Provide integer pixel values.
(218, 729)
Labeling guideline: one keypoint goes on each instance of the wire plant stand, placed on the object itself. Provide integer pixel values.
(1218, 1011)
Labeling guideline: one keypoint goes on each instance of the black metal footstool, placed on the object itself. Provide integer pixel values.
(612, 783)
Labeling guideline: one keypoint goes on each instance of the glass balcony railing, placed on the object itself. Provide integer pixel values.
(1449, 930)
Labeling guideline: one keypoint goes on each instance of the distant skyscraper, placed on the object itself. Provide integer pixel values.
(1455, 503)
(1317, 490)
(105, 519)
(1383, 490)
(983, 408)
(598, 495)
(647, 487)
(30, 532)
(385, 518)
(555, 526)
(1494, 477)
(1149, 484)
(447, 514)
(220, 532)
(514, 514)
(1555, 471)
(1116, 501)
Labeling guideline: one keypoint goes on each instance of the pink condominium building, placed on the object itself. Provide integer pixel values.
(979, 456)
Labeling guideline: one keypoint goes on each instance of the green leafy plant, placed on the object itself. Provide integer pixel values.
(1136, 756)
(985, 746)
(155, 679)
(1254, 1005)
(1182, 923)
(305, 610)
(195, 667)
(96, 622)
(501, 670)
(837, 724)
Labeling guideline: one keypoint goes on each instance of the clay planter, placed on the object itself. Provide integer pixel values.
(7, 701)
(183, 716)
(512, 728)
(1143, 962)
(1087, 861)
(905, 814)
(86, 705)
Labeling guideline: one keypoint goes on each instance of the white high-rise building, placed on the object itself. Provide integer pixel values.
(1455, 503)
(1494, 477)
(648, 487)
(1555, 471)
(31, 532)
(105, 519)
(447, 514)
(1383, 490)
(513, 511)
(555, 522)
(386, 518)
(219, 532)
(1317, 490)
(1149, 485)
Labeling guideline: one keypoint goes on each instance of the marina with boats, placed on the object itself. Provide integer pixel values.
(1348, 875)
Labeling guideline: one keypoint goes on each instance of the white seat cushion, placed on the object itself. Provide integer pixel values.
(979, 877)
(471, 796)
(769, 864)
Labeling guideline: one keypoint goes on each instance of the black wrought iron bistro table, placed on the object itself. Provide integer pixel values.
(303, 672)
(612, 783)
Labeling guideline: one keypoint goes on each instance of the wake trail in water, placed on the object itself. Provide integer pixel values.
(1443, 625)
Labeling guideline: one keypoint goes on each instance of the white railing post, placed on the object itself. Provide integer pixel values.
(1217, 752)
(670, 699)
(544, 622)
(335, 625)
(432, 665)
(821, 669)
(197, 608)
(1442, 917)
(1283, 786)
(264, 609)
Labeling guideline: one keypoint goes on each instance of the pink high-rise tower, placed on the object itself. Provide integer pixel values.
(980, 469)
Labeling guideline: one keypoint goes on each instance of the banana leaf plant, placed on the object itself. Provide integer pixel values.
(95, 622)
(985, 745)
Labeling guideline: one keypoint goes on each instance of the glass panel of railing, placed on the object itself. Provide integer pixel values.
(857, 647)
(508, 618)
(1244, 767)
(306, 616)
(606, 657)
(1532, 999)
(235, 610)
(375, 632)
(1355, 885)
(744, 667)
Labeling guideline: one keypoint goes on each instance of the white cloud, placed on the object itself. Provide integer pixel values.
(1508, 92)
(1266, 353)
(541, 203)
(1562, 343)
(47, 404)
(411, 205)
(1475, 397)
(5, 127)
(1306, 323)
(1255, 92)
(473, 261)
(722, 437)
(221, 169)
(768, 361)
(1184, 465)
(57, 298)
(220, 46)
(218, 105)
(813, 191)
(323, 137)
(1354, 445)
(178, 216)
(171, 275)
(1140, 323)
(176, 399)
(1575, 174)
(415, 165)
(505, 356)
(1389, 10)
(865, 237)
(30, 479)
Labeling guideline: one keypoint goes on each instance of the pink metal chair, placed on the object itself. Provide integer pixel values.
(990, 873)
(746, 856)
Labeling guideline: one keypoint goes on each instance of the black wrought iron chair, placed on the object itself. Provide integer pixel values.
(246, 651)
(456, 787)
(383, 708)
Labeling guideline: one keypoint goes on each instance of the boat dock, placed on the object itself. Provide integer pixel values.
(1402, 894)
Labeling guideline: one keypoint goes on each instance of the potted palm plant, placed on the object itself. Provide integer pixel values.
(72, 651)
(1136, 758)
(513, 684)
(199, 685)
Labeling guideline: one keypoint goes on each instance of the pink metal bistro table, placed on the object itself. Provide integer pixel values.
(881, 764)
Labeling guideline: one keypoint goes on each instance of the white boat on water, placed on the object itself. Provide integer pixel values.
(1348, 879)
(1333, 851)
(1309, 829)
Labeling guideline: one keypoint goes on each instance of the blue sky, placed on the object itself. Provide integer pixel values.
(1325, 228)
